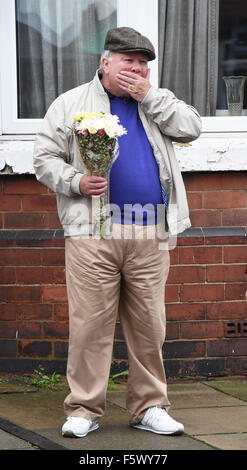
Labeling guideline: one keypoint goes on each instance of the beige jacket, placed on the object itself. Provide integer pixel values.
(57, 165)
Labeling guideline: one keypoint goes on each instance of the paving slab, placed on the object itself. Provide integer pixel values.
(188, 395)
(33, 410)
(214, 415)
(222, 420)
(194, 395)
(15, 384)
(10, 442)
(235, 388)
(226, 441)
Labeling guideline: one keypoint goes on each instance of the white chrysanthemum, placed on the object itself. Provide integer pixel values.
(93, 122)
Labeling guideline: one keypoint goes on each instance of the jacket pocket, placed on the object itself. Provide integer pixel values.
(73, 211)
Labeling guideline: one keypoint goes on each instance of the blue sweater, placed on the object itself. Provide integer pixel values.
(134, 176)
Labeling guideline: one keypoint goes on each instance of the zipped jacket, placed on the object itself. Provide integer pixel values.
(56, 154)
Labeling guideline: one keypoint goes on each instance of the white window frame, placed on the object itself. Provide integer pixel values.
(136, 14)
(10, 124)
(139, 14)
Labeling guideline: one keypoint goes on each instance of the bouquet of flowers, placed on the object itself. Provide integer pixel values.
(97, 137)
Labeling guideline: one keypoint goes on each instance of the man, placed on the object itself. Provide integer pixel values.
(125, 273)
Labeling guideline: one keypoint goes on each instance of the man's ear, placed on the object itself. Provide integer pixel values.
(105, 64)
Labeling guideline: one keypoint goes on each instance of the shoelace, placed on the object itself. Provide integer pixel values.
(154, 413)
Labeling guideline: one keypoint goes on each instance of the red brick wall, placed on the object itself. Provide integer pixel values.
(205, 304)
(217, 199)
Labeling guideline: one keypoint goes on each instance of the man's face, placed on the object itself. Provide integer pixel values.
(135, 62)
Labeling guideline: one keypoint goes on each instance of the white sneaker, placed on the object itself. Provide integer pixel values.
(156, 419)
(75, 426)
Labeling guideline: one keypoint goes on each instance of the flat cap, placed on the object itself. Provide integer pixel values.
(126, 39)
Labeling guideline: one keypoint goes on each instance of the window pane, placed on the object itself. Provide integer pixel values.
(59, 43)
(232, 46)
(200, 41)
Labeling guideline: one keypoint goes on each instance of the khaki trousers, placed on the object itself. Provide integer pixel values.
(125, 274)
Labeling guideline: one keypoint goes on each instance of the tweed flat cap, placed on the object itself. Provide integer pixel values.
(126, 39)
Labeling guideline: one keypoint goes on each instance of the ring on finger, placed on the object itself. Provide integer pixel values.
(130, 87)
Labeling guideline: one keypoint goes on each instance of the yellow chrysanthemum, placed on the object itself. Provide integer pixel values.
(87, 115)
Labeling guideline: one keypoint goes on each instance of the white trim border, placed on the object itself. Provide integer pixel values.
(221, 152)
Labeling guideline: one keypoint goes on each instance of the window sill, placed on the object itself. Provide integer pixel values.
(211, 152)
(214, 152)
(16, 154)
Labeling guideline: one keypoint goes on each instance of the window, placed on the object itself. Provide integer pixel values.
(58, 48)
(51, 46)
(200, 42)
(232, 50)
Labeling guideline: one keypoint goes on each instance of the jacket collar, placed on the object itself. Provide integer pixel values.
(97, 82)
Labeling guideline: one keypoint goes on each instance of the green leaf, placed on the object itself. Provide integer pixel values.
(125, 372)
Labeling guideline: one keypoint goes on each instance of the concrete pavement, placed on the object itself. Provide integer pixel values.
(214, 414)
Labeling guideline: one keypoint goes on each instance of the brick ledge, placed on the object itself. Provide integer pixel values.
(48, 234)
